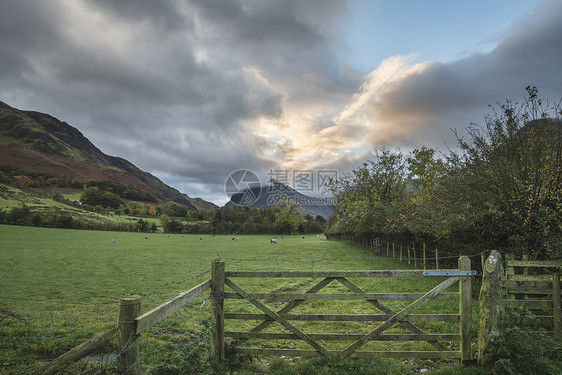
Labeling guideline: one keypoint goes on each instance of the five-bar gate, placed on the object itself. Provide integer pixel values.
(388, 316)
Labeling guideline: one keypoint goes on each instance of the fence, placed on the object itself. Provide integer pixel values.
(131, 324)
(415, 254)
(531, 283)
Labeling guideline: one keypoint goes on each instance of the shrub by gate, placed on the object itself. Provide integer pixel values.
(389, 317)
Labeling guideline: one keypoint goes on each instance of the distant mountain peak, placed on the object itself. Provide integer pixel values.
(278, 193)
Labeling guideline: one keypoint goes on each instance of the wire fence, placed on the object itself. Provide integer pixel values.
(31, 338)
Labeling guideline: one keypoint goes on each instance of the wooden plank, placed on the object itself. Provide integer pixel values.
(531, 304)
(530, 277)
(527, 284)
(346, 317)
(148, 319)
(529, 291)
(341, 336)
(534, 263)
(291, 305)
(303, 336)
(357, 354)
(409, 326)
(397, 317)
(75, 354)
(322, 274)
(341, 296)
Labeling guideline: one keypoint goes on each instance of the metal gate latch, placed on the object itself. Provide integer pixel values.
(449, 273)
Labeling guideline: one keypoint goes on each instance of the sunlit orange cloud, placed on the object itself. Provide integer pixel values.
(320, 133)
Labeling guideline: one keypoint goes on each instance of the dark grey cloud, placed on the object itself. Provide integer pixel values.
(188, 89)
(177, 87)
(423, 107)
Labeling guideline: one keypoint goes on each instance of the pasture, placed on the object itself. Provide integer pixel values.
(54, 273)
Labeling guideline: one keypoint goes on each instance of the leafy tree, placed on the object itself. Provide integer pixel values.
(173, 226)
(288, 219)
(164, 220)
(510, 175)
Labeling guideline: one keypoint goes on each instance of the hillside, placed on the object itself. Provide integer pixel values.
(39, 142)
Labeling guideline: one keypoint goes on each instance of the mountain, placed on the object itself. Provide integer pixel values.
(39, 142)
(269, 196)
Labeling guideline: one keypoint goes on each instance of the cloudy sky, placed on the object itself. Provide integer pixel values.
(192, 90)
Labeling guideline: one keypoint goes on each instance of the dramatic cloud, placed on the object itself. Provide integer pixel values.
(193, 90)
(434, 97)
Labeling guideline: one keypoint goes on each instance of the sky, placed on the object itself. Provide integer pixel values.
(193, 90)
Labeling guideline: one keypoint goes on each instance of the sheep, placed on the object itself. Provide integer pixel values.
(272, 240)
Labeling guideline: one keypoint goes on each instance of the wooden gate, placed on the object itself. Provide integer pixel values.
(405, 317)
(537, 285)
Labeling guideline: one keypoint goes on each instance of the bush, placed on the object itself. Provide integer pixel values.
(524, 348)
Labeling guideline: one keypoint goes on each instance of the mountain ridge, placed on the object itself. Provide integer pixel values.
(39, 142)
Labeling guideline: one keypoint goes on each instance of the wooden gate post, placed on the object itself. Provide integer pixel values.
(217, 308)
(556, 303)
(129, 360)
(465, 290)
(490, 309)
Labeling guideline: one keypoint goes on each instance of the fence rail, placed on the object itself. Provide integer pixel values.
(521, 283)
(535, 284)
(283, 317)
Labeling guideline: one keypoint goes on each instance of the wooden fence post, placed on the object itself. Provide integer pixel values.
(465, 291)
(436, 259)
(386, 248)
(401, 252)
(217, 308)
(414, 253)
(393, 252)
(557, 309)
(129, 360)
(424, 255)
(490, 308)
(409, 260)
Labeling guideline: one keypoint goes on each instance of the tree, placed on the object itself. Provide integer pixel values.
(164, 220)
(510, 175)
(173, 226)
(288, 219)
(369, 198)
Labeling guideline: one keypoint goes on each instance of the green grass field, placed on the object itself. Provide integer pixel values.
(83, 275)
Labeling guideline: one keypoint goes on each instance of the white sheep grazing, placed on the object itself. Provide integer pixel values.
(113, 241)
(272, 240)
